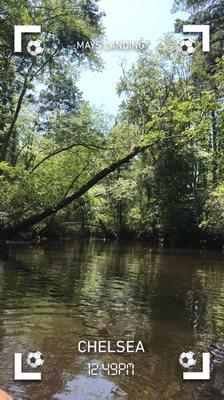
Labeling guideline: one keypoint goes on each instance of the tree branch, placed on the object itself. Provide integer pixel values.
(27, 80)
(14, 119)
(69, 147)
(75, 179)
(12, 230)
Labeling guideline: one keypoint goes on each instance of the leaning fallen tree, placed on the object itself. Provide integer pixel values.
(12, 230)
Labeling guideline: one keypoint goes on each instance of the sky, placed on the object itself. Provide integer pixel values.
(125, 20)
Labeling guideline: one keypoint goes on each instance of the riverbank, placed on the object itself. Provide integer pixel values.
(199, 242)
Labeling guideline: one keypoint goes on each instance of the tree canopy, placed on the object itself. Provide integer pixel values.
(62, 161)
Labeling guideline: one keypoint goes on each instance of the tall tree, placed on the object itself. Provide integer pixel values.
(63, 23)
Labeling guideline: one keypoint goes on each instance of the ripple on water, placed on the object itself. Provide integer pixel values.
(88, 388)
(51, 297)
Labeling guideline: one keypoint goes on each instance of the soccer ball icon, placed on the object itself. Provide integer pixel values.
(187, 360)
(35, 359)
(187, 47)
(35, 47)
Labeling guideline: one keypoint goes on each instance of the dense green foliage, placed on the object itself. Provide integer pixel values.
(52, 142)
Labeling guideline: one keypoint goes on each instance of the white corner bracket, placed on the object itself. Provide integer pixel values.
(19, 375)
(18, 32)
(204, 375)
(204, 29)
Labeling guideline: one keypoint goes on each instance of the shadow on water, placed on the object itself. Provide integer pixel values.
(54, 295)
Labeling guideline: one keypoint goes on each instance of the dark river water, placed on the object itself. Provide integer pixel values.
(54, 295)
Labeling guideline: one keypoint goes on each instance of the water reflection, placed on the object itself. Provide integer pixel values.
(54, 295)
(83, 388)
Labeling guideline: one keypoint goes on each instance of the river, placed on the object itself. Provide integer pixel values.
(56, 294)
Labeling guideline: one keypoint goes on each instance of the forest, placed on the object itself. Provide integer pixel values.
(152, 172)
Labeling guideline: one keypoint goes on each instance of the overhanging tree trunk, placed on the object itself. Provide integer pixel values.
(11, 231)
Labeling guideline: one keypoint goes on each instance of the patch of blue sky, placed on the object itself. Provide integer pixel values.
(125, 20)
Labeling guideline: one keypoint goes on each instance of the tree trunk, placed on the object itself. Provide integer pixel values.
(214, 145)
(11, 231)
(8, 135)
